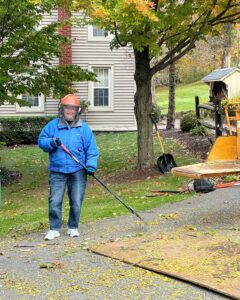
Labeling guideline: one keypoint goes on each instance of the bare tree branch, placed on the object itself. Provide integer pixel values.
(117, 37)
(224, 11)
(184, 31)
(155, 4)
(188, 42)
(233, 18)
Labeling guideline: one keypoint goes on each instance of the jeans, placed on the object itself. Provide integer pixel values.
(76, 185)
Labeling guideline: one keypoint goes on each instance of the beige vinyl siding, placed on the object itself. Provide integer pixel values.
(97, 53)
(51, 104)
(233, 85)
(94, 53)
(50, 18)
(8, 110)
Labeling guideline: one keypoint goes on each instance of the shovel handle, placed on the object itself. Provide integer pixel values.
(160, 141)
(158, 134)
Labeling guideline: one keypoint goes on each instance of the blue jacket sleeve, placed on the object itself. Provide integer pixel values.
(91, 150)
(45, 138)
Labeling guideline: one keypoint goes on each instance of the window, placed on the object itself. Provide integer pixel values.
(33, 100)
(101, 88)
(36, 103)
(101, 91)
(99, 32)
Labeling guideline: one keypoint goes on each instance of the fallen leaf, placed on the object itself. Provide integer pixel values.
(46, 266)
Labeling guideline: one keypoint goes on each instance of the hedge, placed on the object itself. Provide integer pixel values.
(21, 130)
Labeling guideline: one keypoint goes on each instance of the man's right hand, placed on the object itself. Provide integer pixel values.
(58, 141)
(55, 142)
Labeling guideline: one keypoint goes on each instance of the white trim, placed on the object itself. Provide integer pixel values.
(30, 109)
(110, 106)
(113, 128)
(92, 38)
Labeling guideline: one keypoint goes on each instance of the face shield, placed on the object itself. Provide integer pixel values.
(70, 113)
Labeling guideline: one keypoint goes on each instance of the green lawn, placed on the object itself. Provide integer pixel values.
(25, 206)
(185, 96)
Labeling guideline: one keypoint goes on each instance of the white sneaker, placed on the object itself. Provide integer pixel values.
(52, 234)
(72, 232)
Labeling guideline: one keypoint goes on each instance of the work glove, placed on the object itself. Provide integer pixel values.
(55, 142)
(58, 141)
(90, 171)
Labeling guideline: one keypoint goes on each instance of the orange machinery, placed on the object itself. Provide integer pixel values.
(224, 157)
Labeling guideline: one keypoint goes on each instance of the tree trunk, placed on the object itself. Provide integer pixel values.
(227, 44)
(143, 107)
(171, 98)
(153, 89)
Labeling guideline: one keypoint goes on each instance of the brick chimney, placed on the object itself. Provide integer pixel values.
(65, 30)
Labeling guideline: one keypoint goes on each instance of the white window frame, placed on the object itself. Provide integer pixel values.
(107, 38)
(110, 106)
(39, 108)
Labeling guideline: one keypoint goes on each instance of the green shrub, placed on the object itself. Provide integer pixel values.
(230, 178)
(156, 112)
(21, 130)
(188, 121)
(199, 130)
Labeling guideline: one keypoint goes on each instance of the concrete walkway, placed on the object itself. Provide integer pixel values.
(31, 268)
(163, 123)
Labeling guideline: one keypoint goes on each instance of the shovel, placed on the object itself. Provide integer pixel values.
(165, 162)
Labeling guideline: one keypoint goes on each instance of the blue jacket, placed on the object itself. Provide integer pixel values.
(79, 139)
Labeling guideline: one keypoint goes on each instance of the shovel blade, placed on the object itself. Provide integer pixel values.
(165, 163)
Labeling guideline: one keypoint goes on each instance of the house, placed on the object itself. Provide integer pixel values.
(111, 99)
(224, 83)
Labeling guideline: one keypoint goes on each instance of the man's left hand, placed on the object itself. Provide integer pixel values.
(90, 171)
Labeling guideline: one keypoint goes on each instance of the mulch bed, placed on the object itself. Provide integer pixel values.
(131, 175)
(197, 146)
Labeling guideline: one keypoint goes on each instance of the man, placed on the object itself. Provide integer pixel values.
(64, 171)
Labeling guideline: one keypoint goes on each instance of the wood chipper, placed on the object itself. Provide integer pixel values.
(224, 157)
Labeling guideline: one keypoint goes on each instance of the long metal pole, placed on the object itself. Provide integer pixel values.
(102, 183)
(238, 46)
(1, 192)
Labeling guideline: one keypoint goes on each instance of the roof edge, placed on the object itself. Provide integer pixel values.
(233, 69)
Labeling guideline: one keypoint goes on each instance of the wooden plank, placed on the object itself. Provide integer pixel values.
(207, 261)
(208, 169)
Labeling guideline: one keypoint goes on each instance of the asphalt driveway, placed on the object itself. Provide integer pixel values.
(31, 268)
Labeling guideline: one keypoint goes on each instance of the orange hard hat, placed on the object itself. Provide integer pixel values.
(70, 100)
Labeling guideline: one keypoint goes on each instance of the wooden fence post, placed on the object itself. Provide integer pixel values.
(197, 110)
(218, 120)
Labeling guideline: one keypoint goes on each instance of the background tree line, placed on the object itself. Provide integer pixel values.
(214, 52)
